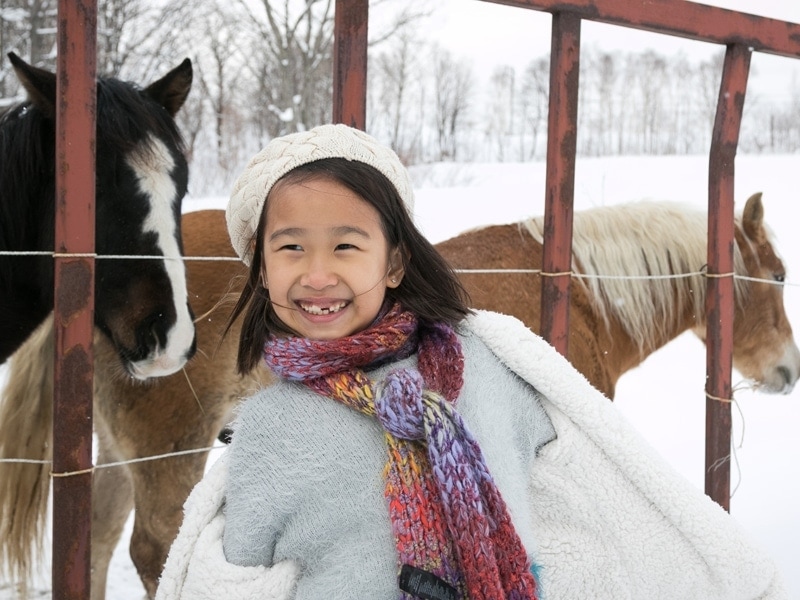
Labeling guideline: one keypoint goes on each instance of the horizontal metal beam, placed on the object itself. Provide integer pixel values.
(683, 19)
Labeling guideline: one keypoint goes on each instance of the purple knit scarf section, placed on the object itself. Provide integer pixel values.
(447, 515)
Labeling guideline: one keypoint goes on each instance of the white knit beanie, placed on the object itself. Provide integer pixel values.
(285, 153)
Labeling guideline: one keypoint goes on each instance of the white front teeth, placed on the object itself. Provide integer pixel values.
(319, 310)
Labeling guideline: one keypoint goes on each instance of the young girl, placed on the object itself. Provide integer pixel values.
(410, 449)
(391, 455)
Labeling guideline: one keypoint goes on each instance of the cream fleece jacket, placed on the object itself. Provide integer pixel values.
(611, 519)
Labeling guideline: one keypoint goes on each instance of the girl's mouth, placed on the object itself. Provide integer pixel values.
(316, 309)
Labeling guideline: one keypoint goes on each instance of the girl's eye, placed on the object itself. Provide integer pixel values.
(346, 247)
(294, 247)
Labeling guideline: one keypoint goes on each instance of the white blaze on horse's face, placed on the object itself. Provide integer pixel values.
(153, 165)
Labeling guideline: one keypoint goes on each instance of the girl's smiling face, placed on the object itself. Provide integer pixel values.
(326, 260)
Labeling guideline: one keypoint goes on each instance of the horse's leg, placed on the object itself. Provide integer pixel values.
(112, 502)
(159, 515)
(171, 418)
(160, 417)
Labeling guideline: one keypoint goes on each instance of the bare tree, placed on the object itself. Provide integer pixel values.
(397, 79)
(28, 28)
(650, 76)
(599, 105)
(291, 60)
(264, 68)
(139, 39)
(212, 75)
(42, 14)
(453, 84)
(534, 99)
(501, 112)
(114, 18)
(12, 38)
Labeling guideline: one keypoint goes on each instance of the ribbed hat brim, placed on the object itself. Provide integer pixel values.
(285, 153)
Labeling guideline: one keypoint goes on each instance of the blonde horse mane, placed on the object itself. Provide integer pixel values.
(639, 240)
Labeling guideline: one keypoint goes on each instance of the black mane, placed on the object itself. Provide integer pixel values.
(27, 150)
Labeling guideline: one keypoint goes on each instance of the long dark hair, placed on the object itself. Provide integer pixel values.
(430, 288)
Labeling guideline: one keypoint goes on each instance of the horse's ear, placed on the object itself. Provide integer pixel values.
(753, 218)
(38, 83)
(171, 90)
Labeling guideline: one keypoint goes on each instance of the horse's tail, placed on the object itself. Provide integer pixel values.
(26, 420)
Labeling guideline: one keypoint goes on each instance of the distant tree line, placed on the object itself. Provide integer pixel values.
(264, 68)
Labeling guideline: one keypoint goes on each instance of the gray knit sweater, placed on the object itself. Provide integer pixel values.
(305, 477)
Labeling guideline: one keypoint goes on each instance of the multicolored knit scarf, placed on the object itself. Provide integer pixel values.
(454, 537)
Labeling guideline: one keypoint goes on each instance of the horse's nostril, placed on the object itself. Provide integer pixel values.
(787, 376)
(151, 334)
(154, 331)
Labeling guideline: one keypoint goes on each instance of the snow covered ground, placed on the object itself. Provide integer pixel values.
(663, 397)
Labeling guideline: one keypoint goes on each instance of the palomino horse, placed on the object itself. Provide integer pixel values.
(141, 305)
(182, 412)
(615, 323)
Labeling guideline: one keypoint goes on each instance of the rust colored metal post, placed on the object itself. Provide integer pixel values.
(350, 63)
(720, 294)
(74, 299)
(562, 131)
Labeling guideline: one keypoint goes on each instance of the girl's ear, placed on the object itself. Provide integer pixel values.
(264, 280)
(396, 268)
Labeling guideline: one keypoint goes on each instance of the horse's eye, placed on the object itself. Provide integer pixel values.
(779, 277)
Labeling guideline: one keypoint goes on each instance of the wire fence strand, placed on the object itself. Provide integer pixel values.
(540, 272)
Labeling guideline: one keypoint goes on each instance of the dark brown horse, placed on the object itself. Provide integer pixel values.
(141, 178)
(132, 419)
(615, 324)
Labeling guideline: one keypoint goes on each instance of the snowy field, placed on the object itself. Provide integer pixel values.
(664, 397)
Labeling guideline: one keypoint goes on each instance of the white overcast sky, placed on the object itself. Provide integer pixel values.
(492, 34)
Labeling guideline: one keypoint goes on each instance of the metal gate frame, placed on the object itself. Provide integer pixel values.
(74, 251)
(741, 34)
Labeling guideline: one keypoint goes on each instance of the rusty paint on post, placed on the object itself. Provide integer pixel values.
(74, 299)
(720, 286)
(562, 129)
(350, 62)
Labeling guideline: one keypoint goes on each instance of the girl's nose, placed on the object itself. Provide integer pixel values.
(319, 274)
